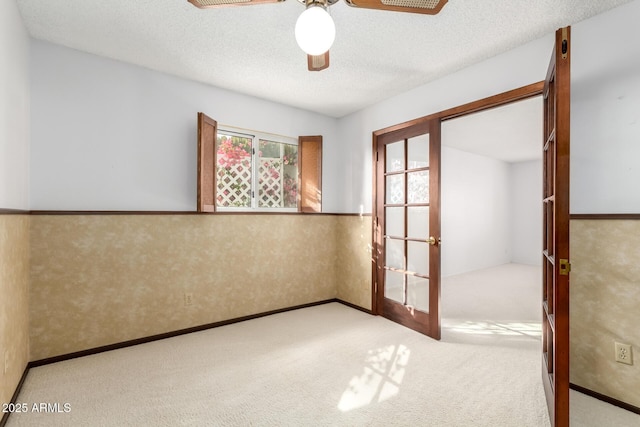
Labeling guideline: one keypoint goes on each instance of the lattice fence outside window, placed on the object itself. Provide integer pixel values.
(234, 185)
(256, 172)
(270, 188)
(418, 187)
(395, 189)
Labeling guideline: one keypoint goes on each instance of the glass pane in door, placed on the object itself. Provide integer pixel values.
(418, 293)
(394, 250)
(418, 257)
(394, 222)
(418, 187)
(418, 152)
(418, 222)
(395, 189)
(394, 286)
(395, 156)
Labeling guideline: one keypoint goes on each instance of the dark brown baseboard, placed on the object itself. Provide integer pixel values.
(605, 398)
(130, 343)
(107, 213)
(14, 398)
(605, 216)
(356, 307)
(165, 335)
(4, 211)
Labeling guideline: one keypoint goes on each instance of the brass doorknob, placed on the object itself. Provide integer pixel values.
(432, 241)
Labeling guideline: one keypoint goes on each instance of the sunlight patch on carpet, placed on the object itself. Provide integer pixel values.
(533, 329)
(380, 380)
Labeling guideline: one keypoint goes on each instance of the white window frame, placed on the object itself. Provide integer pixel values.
(255, 137)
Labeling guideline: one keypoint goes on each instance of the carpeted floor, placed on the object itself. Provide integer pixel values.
(325, 365)
(494, 306)
(328, 365)
(500, 306)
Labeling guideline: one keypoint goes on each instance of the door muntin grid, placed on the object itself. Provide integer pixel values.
(407, 222)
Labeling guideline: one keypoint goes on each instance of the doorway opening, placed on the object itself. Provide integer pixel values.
(492, 226)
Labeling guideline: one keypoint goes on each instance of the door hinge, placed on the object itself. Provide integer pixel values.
(565, 43)
(565, 267)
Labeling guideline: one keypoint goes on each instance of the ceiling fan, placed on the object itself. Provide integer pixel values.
(315, 30)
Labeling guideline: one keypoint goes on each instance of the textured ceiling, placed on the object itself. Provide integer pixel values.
(252, 50)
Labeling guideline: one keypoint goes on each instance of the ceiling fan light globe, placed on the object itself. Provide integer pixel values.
(315, 30)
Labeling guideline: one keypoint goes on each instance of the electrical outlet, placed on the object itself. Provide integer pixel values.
(6, 361)
(188, 299)
(624, 354)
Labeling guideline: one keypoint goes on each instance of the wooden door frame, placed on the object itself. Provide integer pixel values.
(399, 131)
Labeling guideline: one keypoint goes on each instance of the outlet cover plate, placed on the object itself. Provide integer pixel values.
(624, 353)
(188, 299)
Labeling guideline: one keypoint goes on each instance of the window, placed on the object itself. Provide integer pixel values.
(256, 171)
(241, 170)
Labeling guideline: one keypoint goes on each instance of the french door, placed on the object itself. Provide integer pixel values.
(555, 260)
(406, 258)
(407, 225)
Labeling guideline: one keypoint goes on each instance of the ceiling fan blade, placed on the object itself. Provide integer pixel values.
(318, 62)
(209, 4)
(428, 7)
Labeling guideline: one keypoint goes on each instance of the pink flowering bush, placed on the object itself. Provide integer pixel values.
(278, 179)
(290, 156)
(290, 191)
(233, 150)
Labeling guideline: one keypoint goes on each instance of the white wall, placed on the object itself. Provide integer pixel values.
(605, 118)
(605, 113)
(491, 212)
(476, 209)
(525, 187)
(112, 136)
(130, 132)
(14, 109)
(516, 68)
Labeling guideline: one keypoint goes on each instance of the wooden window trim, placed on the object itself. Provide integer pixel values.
(207, 130)
(310, 174)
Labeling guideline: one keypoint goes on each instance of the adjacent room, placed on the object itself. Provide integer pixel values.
(492, 223)
(189, 217)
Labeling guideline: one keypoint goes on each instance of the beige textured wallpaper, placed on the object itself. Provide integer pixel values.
(605, 305)
(103, 279)
(354, 260)
(14, 301)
